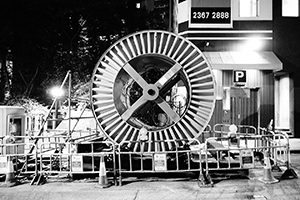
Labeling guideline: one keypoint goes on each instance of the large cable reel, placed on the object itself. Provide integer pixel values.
(155, 82)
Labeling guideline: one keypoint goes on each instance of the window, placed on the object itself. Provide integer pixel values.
(290, 8)
(15, 126)
(248, 8)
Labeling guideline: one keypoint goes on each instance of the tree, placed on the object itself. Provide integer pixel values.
(46, 38)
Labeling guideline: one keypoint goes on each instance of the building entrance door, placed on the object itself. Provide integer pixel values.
(244, 106)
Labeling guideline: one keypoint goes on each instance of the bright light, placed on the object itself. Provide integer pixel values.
(57, 92)
(252, 44)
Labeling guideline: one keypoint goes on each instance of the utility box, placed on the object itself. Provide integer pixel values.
(12, 123)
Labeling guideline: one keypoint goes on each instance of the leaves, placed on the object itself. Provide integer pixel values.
(31, 106)
(46, 38)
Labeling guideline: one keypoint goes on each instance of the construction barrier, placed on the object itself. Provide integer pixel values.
(264, 132)
(15, 162)
(31, 144)
(207, 132)
(243, 152)
(220, 130)
(231, 152)
(181, 159)
(76, 158)
(33, 123)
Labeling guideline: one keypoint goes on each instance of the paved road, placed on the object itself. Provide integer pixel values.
(153, 188)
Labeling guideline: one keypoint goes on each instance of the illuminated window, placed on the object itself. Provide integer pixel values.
(248, 8)
(290, 8)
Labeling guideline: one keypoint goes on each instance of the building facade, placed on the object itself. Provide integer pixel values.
(238, 38)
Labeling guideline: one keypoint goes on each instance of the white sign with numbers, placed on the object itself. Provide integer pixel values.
(160, 162)
(247, 158)
(3, 164)
(77, 163)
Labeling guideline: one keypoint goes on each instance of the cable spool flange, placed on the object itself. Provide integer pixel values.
(138, 83)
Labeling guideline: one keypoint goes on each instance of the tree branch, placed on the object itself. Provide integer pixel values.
(30, 85)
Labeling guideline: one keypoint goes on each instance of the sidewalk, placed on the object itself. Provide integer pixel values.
(153, 189)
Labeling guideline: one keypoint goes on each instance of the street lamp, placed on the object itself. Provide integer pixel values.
(57, 93)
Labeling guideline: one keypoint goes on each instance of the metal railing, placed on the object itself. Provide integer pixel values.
(66, 158)
(181, 159)
(54, 156)
(223, 129)
(244, 152)
(25, 163)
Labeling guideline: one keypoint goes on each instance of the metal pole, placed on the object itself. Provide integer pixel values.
(69, 110)
(175, 16)
(170, 15)
(69, 103)
(55, 116)
(173, 12)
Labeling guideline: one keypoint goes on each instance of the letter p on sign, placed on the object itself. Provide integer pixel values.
(239, 76)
